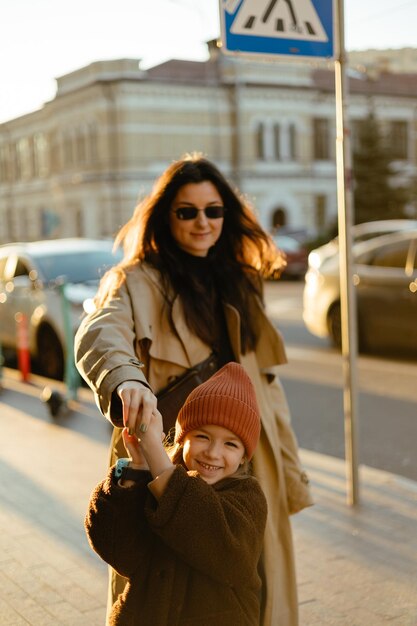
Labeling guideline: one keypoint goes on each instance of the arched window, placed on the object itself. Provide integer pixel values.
(279, 217)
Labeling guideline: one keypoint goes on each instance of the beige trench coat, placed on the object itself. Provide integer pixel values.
(109, 350)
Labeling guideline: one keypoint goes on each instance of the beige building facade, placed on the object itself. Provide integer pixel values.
(393, 60)
(79, 165)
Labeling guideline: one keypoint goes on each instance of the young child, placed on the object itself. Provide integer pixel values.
(186, 525)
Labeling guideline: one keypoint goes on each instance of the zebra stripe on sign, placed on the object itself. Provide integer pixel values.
(290, 19)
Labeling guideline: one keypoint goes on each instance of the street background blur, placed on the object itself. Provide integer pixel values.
(96, 102)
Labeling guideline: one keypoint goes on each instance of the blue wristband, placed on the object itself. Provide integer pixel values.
(121, 465)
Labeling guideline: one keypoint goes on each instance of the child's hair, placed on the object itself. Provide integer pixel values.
(226, 399)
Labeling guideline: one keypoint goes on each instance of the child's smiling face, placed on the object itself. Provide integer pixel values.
(213, 451)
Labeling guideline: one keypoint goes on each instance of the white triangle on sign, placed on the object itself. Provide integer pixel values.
(281, 19)
(230, 5)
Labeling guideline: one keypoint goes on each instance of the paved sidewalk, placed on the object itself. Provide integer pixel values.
(355, 567)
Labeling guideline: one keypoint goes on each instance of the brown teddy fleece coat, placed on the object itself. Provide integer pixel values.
(191, 558)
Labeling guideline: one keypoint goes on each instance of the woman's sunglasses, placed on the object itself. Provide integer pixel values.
(191, 212)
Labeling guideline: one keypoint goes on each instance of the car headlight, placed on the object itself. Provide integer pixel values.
(313, 281)
(314, 260)
(89, 305)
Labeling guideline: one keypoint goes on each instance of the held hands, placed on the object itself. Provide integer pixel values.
(134, 450)
(138, 404)
(143, 433)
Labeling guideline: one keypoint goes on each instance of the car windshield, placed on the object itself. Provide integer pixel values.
(77, 267)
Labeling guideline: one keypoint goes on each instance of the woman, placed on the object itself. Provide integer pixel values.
(190, 284)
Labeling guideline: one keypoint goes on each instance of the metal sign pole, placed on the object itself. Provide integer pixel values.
(347, 293)
(306, 30)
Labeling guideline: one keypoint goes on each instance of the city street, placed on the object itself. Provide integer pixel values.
(356, 566)
(313, 380)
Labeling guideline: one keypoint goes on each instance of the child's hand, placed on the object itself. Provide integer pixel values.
(151, 436)
(151, 430)
(133, 449)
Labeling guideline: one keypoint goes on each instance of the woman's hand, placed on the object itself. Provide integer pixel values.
(138, 404)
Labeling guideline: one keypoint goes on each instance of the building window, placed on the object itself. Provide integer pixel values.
(321, 139)
(81, 148)
(25, 160)
(68, 149)
(279, 218)
(292, 142)
(55, 151)
(260, 142)
(40, 155)
(398, 143)
(50, 223)
(92, 143)
(4, 163)
(320, 211)
(16, 162)
(277, 142)
(79, 222)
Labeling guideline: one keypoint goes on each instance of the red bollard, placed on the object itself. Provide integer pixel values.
(23, 354)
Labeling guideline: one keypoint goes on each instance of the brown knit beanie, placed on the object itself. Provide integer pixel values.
(227, 399)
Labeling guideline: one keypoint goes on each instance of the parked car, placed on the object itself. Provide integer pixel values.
(360, 232)
(296, 256)
(29, 277)
(385, 278)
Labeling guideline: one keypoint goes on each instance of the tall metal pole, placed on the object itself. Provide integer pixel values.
(347, 293)
(237, 125)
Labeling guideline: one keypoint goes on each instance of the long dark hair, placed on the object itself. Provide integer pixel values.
(242, 256)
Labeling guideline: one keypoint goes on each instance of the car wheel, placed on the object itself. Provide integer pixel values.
(334, 324)
(50, 354)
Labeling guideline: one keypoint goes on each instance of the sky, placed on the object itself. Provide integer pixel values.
(43, 39)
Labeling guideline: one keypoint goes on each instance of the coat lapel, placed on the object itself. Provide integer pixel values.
(270, 348)
(194, 348)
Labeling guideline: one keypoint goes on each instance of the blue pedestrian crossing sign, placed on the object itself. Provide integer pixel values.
(291, 28)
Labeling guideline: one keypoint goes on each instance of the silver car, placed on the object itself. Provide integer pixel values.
(360, 232)
(385, 278)
(30, 275)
